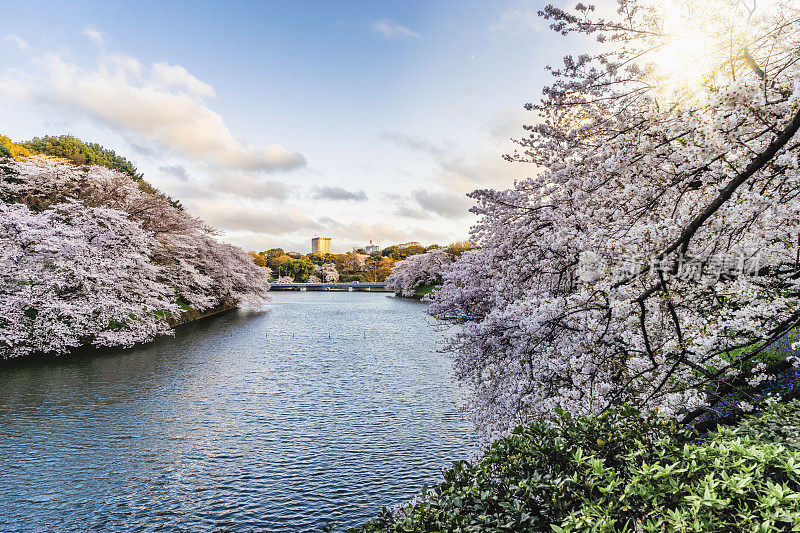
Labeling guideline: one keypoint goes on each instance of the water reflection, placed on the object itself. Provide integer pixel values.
(328, 406)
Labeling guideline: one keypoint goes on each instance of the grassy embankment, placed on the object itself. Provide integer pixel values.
(424, 290)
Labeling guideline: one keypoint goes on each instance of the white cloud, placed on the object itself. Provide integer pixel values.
(392, 30)
(239, 216)
(414, 142)
(519, 20)
(18, 41)
(411, 212)
(247, 185)
(162, 103)
(444, 203)
(361, 232)
(457, 172)
(120, 65)
(254, 240)
(175, 76)
(338, 193)
(252, 225)
(94, 35)
(177, 171)
(199, 181)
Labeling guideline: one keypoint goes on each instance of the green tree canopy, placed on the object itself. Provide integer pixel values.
(321, 259)
(391, 251)
(276, 262)
(398, 254)
(299, 269)
(81, 153)
(273, 253)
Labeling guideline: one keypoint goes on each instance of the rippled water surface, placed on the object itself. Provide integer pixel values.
(324, 409)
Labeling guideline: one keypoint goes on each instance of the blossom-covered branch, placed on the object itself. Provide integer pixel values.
(641, 155)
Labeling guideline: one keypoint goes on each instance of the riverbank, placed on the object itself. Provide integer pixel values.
(185, 322)
(424, 290)
(419, 293)
(191, 315)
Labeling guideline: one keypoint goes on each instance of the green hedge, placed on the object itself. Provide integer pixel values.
(618, 472)
(779, 424)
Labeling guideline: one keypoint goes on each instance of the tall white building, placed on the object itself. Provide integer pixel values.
(321, 245)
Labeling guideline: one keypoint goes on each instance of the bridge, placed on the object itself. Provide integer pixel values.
(351, 287)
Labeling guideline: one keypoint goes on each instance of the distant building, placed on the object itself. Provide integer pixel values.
(321, 245)
(372, 248)
(409, 244)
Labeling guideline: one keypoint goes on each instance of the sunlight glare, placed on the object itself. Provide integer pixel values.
(690, 55)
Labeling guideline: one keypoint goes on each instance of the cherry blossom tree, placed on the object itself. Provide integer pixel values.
(204, 272)
(653, 256)
(72, 275)
(422, 269)
(355, 262)
(328, 273)
(179, 250)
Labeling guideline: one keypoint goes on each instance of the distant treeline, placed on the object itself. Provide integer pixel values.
(352, 266)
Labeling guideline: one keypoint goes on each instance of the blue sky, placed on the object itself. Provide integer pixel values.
(278, 121)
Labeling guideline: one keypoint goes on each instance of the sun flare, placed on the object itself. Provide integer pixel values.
(687, 54)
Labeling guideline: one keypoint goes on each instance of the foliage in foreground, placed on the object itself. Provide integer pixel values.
(621, 471)
(779, 424)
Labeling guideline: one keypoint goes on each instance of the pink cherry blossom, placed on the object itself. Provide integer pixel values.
(90, 256)
(625, 164)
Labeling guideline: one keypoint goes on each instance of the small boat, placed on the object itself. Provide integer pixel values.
(459, 314)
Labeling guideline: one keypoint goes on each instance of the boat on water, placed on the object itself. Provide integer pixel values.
(458, 314)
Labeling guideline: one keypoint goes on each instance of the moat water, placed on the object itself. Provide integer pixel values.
(319, 411)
